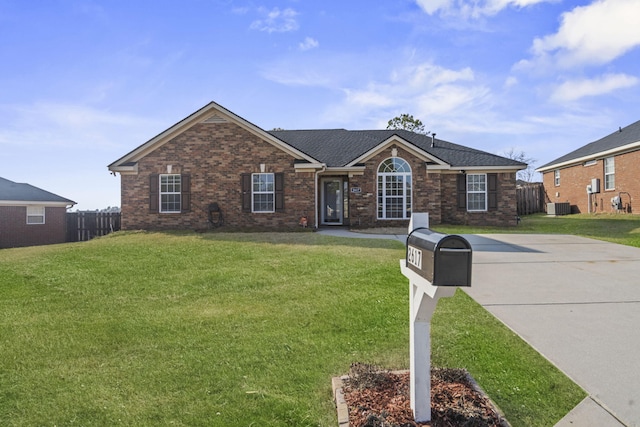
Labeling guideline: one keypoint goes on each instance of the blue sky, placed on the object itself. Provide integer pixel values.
(84, 82)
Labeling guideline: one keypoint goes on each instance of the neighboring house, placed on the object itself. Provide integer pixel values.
(603, 176)
(30, 216)
(215, 168)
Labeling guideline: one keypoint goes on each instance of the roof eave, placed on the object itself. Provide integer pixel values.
(346, 170)
(58, 204)
(308, 167)
(606, 153)
(125, 170)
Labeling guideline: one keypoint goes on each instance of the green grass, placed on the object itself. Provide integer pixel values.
(231, 330)
(616, 228)
(529, 390)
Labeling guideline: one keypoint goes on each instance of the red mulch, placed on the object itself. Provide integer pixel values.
(381, 399)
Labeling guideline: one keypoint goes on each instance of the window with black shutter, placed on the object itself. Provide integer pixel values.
(279, 190)
(461, 186)
(169, 193)
(492, 191)
(477, 192)
(185, 194)
(262, 192)
(245, 183)
(154, 193)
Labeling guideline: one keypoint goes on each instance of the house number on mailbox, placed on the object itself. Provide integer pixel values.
(414, 257)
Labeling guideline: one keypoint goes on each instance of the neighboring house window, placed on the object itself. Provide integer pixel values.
(556, 177)
(476, 192)
(394, 189)
(262, 192)
(35, 214)
(609, 174)
(170, 191)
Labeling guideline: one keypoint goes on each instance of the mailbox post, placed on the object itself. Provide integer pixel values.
(435, 265)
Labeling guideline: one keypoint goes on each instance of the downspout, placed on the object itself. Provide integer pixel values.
(317, 211)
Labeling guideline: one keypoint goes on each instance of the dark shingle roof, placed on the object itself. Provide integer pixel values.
(13, 191)
(339, 147)
(624, 136)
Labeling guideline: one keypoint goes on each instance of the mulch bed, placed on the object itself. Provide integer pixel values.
(378, 398)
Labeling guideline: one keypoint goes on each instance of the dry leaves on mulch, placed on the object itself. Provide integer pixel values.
(381, 399)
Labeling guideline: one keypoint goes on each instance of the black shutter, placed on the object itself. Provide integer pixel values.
(185, 187)
(279, 187)
(154, 193)
(245, 185)
(461, 186)
(492, 191)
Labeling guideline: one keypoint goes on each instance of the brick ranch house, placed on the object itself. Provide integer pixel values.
(601, 176)
(215, 168)
(30, 216)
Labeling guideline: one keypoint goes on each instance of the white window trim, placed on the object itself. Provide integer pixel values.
(556, 177)
(611, 173)
(485, 192)
(39, 213)
(272, 192)
(408, 177)
(161, 193)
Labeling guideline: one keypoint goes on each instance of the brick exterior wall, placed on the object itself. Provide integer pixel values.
(15, 232)
(434, 192)
(215, 155)
(574, 180)
(363, 206)
(504, 216)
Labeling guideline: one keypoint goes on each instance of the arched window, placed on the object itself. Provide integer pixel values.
(394, 189)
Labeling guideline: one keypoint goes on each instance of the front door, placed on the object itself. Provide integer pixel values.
(332, 201)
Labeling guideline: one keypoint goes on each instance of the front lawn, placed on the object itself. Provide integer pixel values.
(228, 330)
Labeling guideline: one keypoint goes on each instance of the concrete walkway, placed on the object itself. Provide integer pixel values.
(577, 302)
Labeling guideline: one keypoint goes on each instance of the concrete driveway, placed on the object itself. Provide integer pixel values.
(576, 301)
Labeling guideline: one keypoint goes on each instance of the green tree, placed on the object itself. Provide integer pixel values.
(407, 122)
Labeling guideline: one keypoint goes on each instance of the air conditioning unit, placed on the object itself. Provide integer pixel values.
(558, 208)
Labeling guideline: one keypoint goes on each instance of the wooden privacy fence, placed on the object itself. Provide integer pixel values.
(531, 198)
(82, 226)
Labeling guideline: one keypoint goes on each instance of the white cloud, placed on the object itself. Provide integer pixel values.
(590, 35)
(576, 89)
(432, 6)
(308, 44)
(428, 91)
(474, 8)
(510, 82)
(276, 20)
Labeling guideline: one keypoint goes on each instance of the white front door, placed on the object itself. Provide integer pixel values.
(332, 201)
